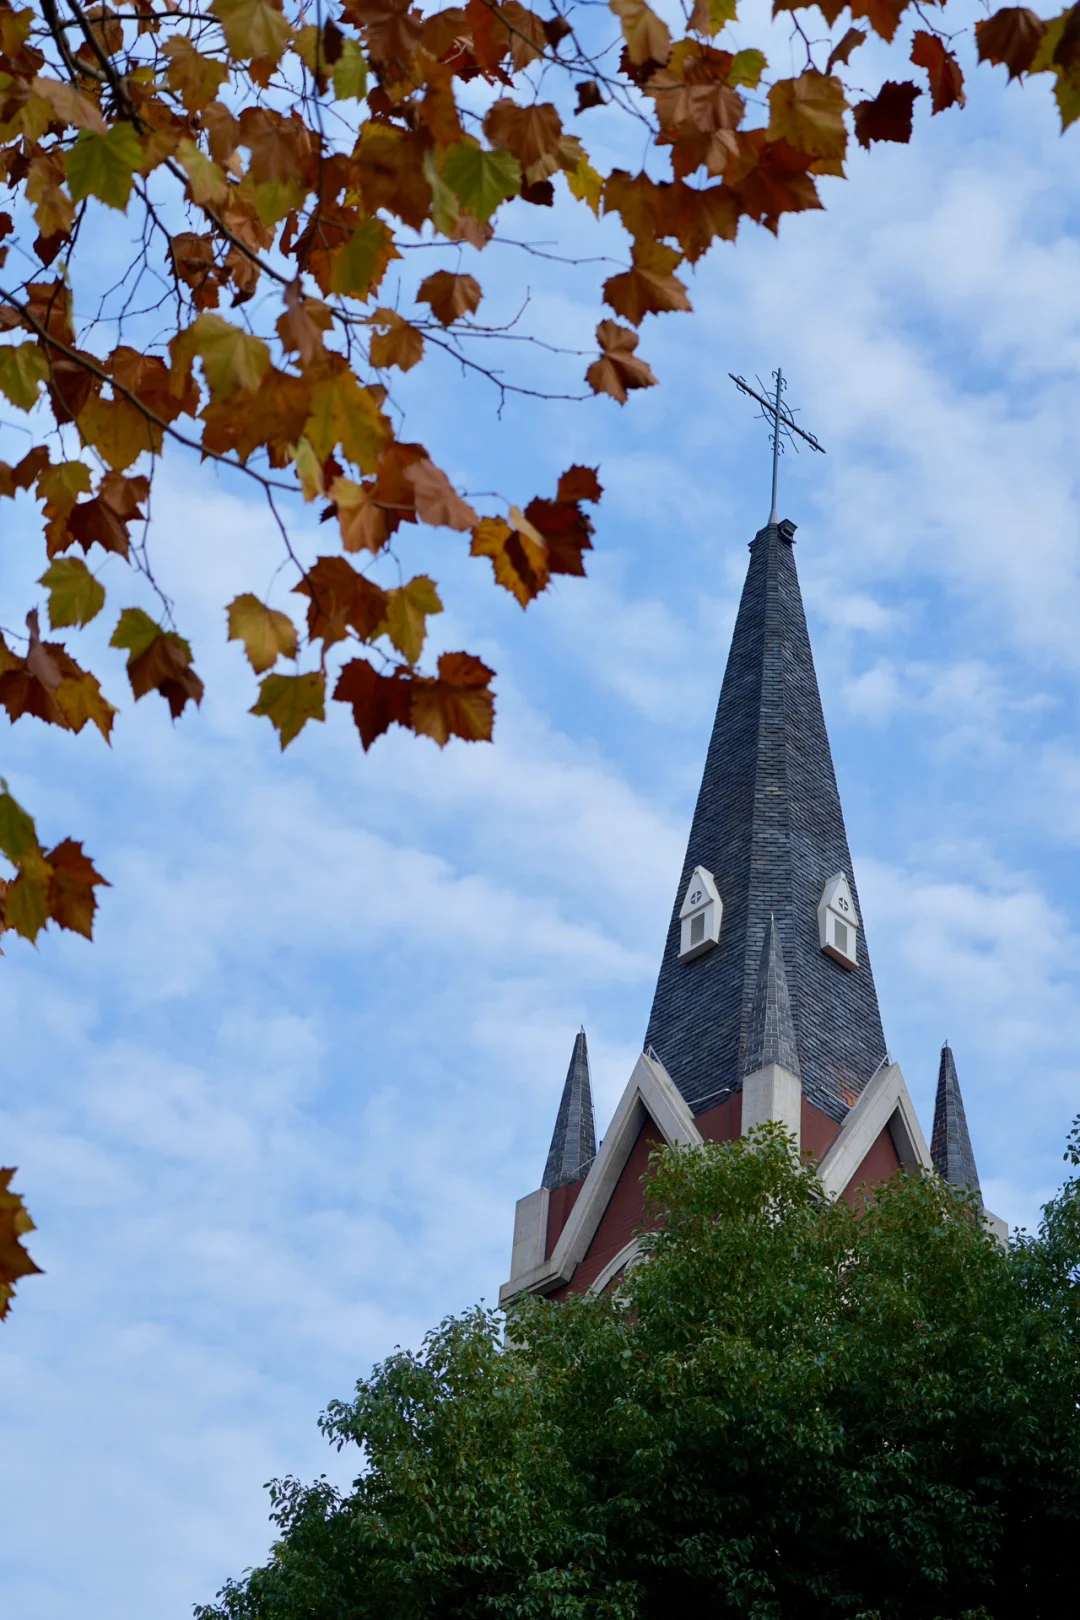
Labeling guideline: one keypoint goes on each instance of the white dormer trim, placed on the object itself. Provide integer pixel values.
(700, 915)
(838, 922)
(650, 1093)
(885, 1104)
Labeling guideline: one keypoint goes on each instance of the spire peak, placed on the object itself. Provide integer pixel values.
(573, 1143)
(950, 1143)
(769, 828)
(782, 430)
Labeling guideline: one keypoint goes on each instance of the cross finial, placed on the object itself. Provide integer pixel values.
(783, 425)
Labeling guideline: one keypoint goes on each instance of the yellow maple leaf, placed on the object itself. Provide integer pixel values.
(344, 413)
(267, 634)
(253, 28)
(407, 611)
(808, 113)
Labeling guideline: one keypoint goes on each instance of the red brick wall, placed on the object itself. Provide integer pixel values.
(622, 1216)
(819, 1132)
(560, 1202)
(721, 1124)
(880, 1163)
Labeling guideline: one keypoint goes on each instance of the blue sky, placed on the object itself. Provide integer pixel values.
(274, 1121)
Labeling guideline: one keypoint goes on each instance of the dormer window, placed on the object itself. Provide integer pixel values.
(838, 922)
(700, 915)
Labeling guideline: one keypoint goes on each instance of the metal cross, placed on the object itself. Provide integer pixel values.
(784, 425)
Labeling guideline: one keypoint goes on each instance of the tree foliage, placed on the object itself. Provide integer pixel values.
(277, 158)
(790, 1409)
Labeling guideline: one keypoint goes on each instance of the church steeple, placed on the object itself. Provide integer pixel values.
(950, 1143)
(573, 1144)
(765, 1009)
(769, 829)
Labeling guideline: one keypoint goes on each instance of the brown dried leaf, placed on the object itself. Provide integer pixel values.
(397, 344)
(437, 502)
(1011, 38)
(340, 599)
(459, 703)
(649, 287)
(566, 531)
(71, 899)
(450, 295)
(619, 369)
(647, 36)
(842, 52)
(889, 116)
(942, 68)
(580, 484)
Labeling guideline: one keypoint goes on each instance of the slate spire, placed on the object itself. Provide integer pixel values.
(769, 827)
(573, 1145)
(950, 1143)
(770, 1037)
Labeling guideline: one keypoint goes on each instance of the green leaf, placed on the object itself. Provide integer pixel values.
(361, 264)
(1067, 87)
(104, 166)
(207, 181)
(290, 701)
(350, 72)
(480, 179)
(746, 68)
(232, 358)
(61, 485)
(406, 615)
(18, 835)
(135, 632)
(1067, 96)
(27, 899)
(75, 596)
(721, 12)
(23, 369)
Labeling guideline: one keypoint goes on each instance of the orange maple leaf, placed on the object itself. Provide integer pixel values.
(15, 1222)
(619, 369)
(943, 70)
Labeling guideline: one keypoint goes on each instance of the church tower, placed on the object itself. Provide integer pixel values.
(765, 1005)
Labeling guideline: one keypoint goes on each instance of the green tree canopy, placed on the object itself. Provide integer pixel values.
(791, 1409)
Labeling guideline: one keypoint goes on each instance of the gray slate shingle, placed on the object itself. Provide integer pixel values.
(950, 1143)
(573, 1145)
(769, 827)
(771, 1035)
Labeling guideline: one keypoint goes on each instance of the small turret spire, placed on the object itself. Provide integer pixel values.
(573, 1144)
(770, 1036)
(950, 1144)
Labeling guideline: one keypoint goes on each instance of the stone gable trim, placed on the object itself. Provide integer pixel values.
(885, 1104)
(650, 1092)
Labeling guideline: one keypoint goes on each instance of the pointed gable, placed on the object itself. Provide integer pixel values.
(769, 828)
(573, 1143)
(950, 1141)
